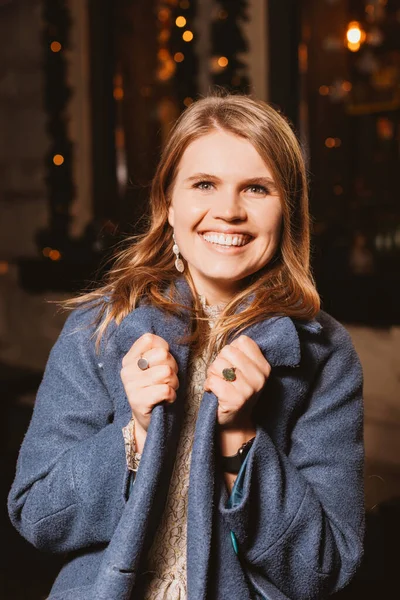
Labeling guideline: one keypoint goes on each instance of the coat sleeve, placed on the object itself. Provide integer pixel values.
(299, 517)
(70, 485)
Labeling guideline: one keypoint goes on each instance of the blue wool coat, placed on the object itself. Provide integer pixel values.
(295, 517)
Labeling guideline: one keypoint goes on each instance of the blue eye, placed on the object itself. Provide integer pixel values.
(206, 186)
(260, 189)
(199, 185)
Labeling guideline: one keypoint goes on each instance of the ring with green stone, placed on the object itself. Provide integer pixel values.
(229, 374)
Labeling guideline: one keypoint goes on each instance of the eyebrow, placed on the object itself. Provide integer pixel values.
(264, 181)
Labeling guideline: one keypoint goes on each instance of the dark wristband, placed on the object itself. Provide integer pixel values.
(232, 464)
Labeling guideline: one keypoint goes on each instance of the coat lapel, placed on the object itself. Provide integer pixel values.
(279, 342)
(137, 526)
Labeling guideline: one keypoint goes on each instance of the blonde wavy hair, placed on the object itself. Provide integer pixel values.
(144, 269)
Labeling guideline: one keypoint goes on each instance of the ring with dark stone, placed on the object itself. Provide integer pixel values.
(143, 364)
(229, 374)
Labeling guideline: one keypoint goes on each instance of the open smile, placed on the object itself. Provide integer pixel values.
(224, 242)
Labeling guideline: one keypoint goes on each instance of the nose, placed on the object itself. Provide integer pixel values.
(229, 207)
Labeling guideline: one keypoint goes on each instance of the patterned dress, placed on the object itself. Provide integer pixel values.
(164, 577)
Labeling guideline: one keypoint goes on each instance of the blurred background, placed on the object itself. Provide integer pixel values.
(88, 92)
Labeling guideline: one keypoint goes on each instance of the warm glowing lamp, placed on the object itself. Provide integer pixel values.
(354, 33)
(355, 36)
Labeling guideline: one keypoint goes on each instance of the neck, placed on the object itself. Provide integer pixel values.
(216, 291)
(214, 297)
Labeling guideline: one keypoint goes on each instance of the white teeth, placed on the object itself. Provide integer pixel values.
(225, 240)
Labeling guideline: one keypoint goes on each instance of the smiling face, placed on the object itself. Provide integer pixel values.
(225, 212)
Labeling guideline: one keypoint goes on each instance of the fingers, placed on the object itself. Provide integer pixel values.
(143, 344)
(251, 349)
(236, 395)
(160, 374)
(156, 351)
(236, 391)
(248, 371)
(157, 383)
(155, 394)
(149, 397)
(155, 356)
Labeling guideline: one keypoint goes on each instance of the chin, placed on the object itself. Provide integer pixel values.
(224, 279)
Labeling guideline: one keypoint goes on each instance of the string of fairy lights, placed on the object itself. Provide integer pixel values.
(176, 76)
(57, 93)
(177, 61)
(177, 64)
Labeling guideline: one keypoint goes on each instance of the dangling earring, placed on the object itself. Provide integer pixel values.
(178, 261)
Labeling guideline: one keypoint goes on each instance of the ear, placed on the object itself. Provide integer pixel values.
(171, 216)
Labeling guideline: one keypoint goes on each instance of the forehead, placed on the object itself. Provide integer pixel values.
(222, 153)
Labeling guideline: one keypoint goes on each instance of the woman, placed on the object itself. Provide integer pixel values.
(198, 432)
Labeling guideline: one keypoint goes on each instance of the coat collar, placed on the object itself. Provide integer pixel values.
(277, 337)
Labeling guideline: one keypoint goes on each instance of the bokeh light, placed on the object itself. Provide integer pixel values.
(187, 36)
(347, 86)
(180, 22)
(58, 160)
(54, 255)
(330, 142)
(118, 93)
(3, 267)
(55, 46)
(354, 33)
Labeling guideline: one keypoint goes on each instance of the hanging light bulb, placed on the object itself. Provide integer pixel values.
(354, 33)
(355, 36)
